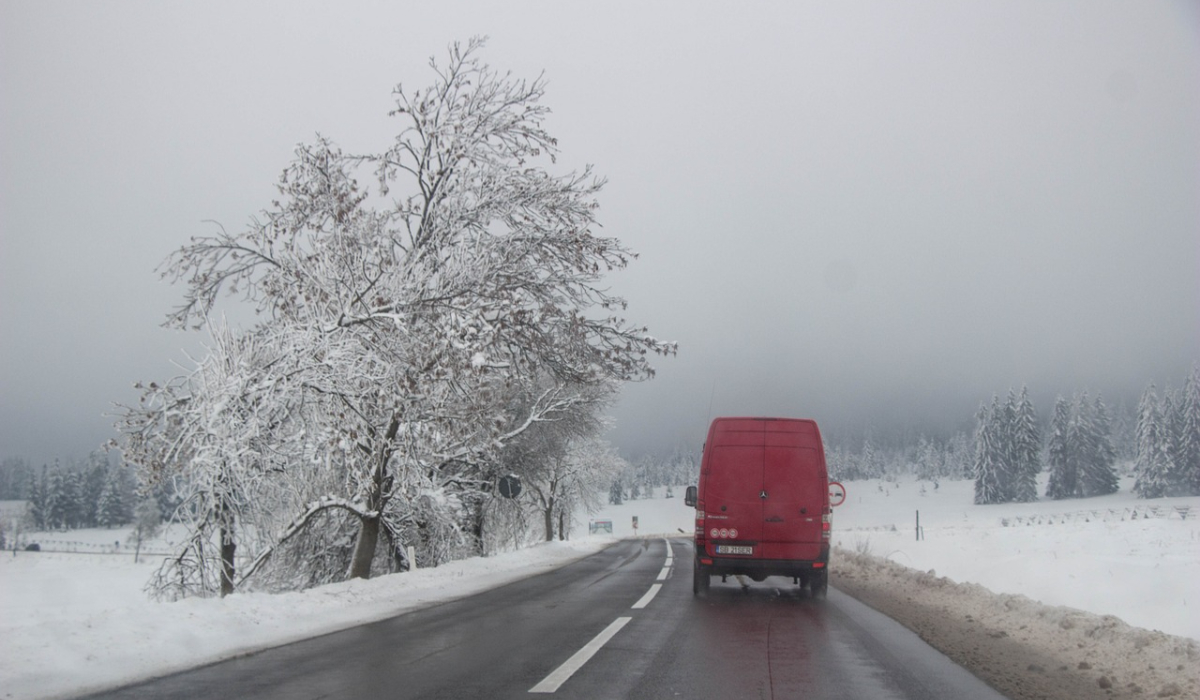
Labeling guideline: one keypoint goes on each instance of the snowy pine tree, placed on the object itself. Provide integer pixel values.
(1189, 429)
(1006, 432)
(1153, 453)
(1027, 449)
(1093, 450)
(1171, 421)
(57, 503)
(990, 471)
(95, 478)
(37, 500)
(112, 510)
(74, 500)
(1063, 476)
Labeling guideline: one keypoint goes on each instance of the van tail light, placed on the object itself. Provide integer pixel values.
(699, 525)
(826, 526)
(818, 565)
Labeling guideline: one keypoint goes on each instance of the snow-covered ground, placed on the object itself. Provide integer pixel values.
(1092, 554)
(76, 621)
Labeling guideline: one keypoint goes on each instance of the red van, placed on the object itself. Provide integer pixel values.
(762, 506)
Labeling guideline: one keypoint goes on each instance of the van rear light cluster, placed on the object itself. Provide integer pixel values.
(699, 524)
(826, 526)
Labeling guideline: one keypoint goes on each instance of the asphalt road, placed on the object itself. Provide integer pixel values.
(620, 624)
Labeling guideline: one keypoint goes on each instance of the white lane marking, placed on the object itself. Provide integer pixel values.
(560, 675)
(648, 597)
(662, 575)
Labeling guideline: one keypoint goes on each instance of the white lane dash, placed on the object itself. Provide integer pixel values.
(662, 575)
(560, 675)
(654, 588)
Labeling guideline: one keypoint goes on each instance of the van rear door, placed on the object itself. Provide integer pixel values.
(733, 487)
(795, 482)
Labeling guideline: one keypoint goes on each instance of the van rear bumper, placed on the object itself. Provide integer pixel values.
(729, 566)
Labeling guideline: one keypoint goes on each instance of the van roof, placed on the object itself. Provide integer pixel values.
(761, 423)
(726, 429)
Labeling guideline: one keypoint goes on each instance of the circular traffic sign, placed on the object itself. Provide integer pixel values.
(837, 494)
(510, 486)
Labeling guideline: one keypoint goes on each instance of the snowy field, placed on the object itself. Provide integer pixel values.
(77, 621)
(1091, 554)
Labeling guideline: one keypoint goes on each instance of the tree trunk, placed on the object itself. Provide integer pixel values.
(549, 514)
(477, 529)
(364, 548)
(228, 548)
(368, 534)
(562, 531)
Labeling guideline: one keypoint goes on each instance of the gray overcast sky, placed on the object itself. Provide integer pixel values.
(880, 213)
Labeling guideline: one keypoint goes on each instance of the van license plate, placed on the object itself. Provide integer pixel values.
(734, 549)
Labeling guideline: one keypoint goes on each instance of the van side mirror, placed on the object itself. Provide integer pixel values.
(689, 497)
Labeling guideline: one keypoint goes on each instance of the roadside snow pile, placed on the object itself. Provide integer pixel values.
(1023, 648)
(73, 623)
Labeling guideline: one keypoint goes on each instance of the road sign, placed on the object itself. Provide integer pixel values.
(510, 486)
(837, 494)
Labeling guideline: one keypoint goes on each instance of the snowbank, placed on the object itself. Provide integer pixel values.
(79, 622)
(1023, 648)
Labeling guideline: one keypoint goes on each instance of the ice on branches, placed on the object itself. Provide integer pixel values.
(409, 328)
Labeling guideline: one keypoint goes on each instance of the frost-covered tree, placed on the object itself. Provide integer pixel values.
(1005, 417)
(1096, 455)
(112, 508)
(147, 521)
(1082, 457)
(1153, 464)
(561, 462)
(228, 438)
(1168, 438)
(930, 460)
(1188, 454)
(870, 463)
(58, 501)
(1170, 424)
(1026, 448)
(15, 476)
(570, 479)
(1064, 477)
(39, 500)
(401, 316)
(95, 479)
(990, 470)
